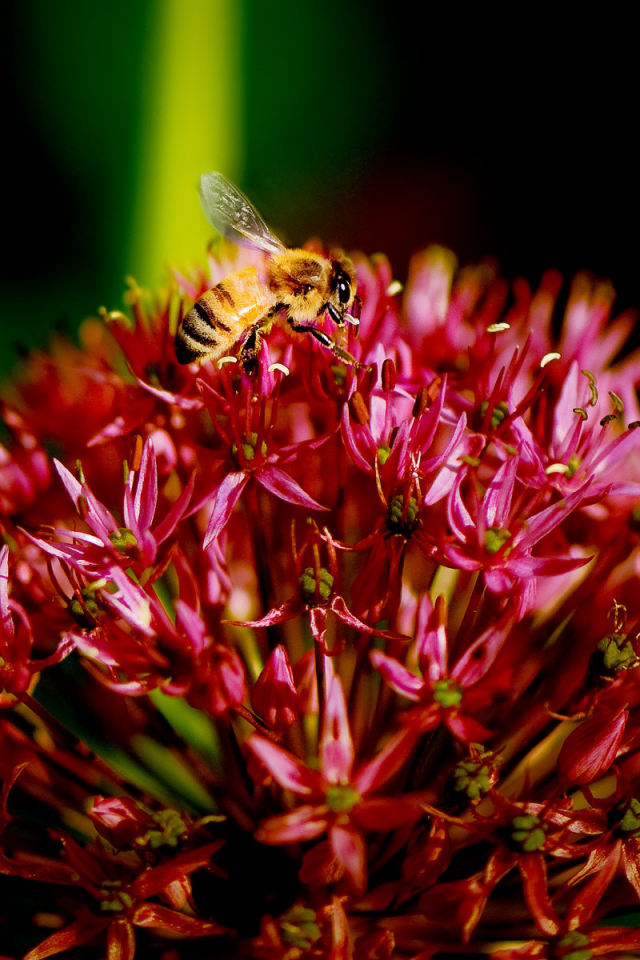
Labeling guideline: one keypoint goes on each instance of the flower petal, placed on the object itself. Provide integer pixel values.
(227, 495)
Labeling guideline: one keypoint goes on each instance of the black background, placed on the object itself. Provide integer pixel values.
(365, 124)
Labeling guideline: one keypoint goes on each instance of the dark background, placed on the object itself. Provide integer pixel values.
(360, 123)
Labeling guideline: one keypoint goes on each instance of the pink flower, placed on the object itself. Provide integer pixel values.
(338, 798)
(250, 448)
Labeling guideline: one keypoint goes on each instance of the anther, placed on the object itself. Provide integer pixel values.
(388, 375)
(281, 367)
(136, 456)
(618, 405)
(358, 409)
(548, 357)
(498, 327)
(592, 387)
(421, 403)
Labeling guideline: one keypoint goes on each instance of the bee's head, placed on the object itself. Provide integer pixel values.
(342, 289)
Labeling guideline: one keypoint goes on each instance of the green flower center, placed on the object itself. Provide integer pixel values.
(85, 613)
(627, 817)
(527, 832)
(573, 946)
(473, 778)
(299, 927)
(614, 654)
(123, 540)
(341, 798)
(447, 693)
(572, 466)
(499, 414)
(118, 900)
(308, 584)
(170, 829)
(495, 538)
(383, 453)
(249, 445)
(401, 520)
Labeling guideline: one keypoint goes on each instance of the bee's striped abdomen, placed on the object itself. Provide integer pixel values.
(221, 316)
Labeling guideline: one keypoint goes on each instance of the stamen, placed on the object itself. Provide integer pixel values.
(548, 357)
(388, 375)
(281, 367)
(498, 327)
(136, 457)
(592, 386)
(422, 402)
(223, 360)
(358, 409)
(394, 287)
(616, 401)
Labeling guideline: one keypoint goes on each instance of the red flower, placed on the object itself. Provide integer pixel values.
(446, 697)
(17, 669)
(338, 798)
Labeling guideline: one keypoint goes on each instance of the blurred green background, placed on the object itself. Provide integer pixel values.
(362, 123)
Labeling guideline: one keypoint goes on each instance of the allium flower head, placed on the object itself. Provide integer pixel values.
(334, 654)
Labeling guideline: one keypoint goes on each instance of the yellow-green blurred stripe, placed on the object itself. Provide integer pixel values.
(190, 123)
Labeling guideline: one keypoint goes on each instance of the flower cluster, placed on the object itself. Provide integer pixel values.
(326, 661)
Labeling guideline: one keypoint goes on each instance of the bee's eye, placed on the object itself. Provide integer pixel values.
(344, 291)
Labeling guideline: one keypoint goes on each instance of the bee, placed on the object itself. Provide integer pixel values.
(295, 287)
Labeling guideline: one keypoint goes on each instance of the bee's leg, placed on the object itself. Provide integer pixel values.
(326, 341)
(251, 351)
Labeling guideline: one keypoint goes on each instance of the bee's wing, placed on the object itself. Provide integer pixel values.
(228, 210)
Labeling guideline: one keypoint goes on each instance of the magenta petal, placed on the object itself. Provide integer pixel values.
(546, 520)
(274, 696)
(5, 616)
(383, 766)
(290, 772)
(348, 846)
(339, 607)
(162, 918)
(130, 517)
(432, 647)
(185, 403)
(279, 483)
(227, 495)
(478, 658)
(303, 823)
(73, 935)
(534, 876)
(146, 495)
(286, 611)
(168, 524)
(497, 500)
(466, 729)
(336, 745)
(397, 676)
(98, 516)
(591, 748)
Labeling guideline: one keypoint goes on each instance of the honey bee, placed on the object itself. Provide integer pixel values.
(295, 287)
